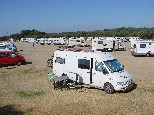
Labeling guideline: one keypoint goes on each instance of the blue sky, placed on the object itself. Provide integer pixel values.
(73, 15)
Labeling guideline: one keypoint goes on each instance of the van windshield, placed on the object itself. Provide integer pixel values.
(114, 65)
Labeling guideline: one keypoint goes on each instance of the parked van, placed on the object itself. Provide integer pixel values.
(11, 58)
(73, 41)
(58, 41)
(96, 69)
(145, 48)
(106, 44)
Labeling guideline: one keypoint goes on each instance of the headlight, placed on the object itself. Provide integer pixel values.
(120, 83)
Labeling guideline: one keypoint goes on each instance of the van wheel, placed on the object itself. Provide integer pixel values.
(19, 63)
(148, 54)
(108, 88)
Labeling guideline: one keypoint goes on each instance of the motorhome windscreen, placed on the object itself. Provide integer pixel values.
(114, 65)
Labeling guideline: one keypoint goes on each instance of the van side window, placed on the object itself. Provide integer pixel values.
(142, 45)
(77, 40)
(100, 42)
(83, 63)
(60, 60)
(98, 66)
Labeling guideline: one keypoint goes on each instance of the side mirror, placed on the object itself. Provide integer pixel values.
(105, 71)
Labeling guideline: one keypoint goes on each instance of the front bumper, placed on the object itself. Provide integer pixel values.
(126, 87)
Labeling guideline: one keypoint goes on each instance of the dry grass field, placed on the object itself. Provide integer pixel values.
(26, 90)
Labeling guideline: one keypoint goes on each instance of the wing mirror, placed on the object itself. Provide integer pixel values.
(105, 71)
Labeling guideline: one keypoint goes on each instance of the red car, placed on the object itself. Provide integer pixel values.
(11, 58)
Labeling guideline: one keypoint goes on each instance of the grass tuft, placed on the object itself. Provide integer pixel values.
(147, 90)
(29, 93)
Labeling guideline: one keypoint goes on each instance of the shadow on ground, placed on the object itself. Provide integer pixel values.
(10, 110)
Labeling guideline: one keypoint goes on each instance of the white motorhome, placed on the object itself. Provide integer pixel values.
(57, 41)
(7, 46)
(29, 40)
(102, 44)
(73, 41)
(142, 48)
(95, 69)
(43, 41)
(106, 44)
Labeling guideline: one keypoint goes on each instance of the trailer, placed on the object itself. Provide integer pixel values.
(142, 48)
(106, 44)
(94, 69)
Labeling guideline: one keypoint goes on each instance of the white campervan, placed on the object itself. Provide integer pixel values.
(73, 41)
(142, 48)
(96, 69)
(107, 44)
(56, 41)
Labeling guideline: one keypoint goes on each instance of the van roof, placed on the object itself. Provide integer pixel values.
(93, 54)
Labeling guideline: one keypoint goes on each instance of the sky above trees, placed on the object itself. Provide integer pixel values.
(54, 16)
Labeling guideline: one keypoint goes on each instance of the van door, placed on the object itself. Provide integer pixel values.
(84, 71)
(100, 74)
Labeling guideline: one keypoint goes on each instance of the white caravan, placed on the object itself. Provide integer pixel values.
(106, 44)
(43, 41)
(73, 41)
(57, 41)
(95, 69)
(29, 40)
(142, 48)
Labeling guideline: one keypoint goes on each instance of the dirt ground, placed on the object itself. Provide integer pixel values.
(32, 77)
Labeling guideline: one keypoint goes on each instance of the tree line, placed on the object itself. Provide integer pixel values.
(143, 33)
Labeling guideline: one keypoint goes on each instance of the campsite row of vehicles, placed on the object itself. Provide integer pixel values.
(98, 43)
(71, 42)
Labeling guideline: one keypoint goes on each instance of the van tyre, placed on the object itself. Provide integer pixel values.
(19, 63)
(108, 88)
(148, 54)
